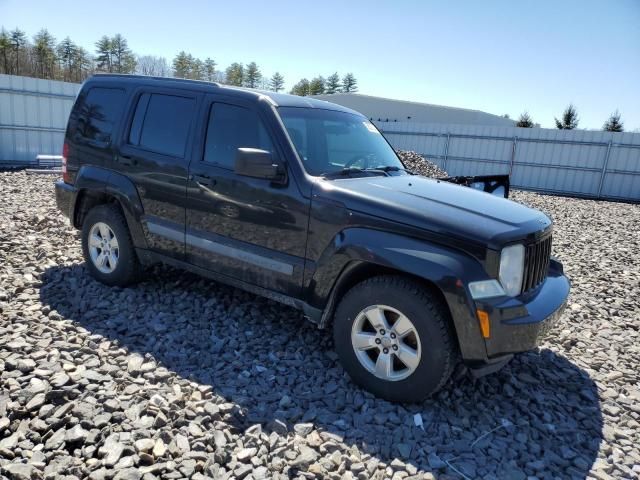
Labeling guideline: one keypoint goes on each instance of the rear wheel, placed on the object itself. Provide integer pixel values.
(393, 338)
(107, 247)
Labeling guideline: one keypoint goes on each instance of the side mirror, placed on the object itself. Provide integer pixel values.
(253, 162)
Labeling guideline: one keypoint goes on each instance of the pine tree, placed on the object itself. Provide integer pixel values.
(82, 65)
(301, 88)
(349, 83)
(252, 76)
(123, 59)
(209, 70)
(234, 74)
(317, 86)
(569, 119)
(18, 41)
(44, 52)
(5, 50)
(277, 82)
(103, 51)
(197, 69)
(525, 121)
(181, 65)
(613, 124)
(67, 53)
(333, 84)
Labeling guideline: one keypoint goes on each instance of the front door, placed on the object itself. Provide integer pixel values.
(250, 229)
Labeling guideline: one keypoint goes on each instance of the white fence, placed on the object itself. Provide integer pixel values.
(580, 163)
(33, 117)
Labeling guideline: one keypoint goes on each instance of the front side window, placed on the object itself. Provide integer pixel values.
(231, 127)
(328, 141)
(161, 123)
(98, 113)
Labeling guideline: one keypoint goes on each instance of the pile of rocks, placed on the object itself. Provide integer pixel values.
(418, 164)
(181, 377)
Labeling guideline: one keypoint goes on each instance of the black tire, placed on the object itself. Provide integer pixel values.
(128, 268)
(429, 315)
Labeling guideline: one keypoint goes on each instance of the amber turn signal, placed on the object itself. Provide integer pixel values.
(483, 318)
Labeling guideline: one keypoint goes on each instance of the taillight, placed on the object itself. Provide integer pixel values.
(65, 152)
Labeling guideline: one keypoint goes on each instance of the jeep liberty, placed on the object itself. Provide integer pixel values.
(305, 202)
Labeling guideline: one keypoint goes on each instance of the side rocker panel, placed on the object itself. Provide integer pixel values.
(448, 269)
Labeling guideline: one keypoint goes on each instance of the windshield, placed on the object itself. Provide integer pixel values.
(330, 141)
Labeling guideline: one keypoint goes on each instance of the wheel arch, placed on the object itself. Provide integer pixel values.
(98, 186)
(358, 254)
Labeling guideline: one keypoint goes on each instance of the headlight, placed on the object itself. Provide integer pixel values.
(512, 269)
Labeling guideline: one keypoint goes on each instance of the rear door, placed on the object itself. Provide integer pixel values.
(250, 229)
(155, 154)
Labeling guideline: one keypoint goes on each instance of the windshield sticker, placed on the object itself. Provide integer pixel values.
(370, 127)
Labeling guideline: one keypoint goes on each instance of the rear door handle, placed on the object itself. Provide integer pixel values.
(203, 179)
(126, 160)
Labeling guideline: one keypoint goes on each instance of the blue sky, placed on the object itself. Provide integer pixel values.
(496, 56)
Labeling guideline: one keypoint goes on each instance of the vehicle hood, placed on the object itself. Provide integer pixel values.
(440, 207)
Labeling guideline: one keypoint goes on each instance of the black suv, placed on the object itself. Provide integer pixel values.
(305, 202)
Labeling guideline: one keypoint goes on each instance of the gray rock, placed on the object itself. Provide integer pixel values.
(18, 471)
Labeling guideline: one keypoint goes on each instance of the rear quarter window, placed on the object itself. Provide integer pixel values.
(98, 112)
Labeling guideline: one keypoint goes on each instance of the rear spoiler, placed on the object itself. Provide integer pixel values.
(494, 184)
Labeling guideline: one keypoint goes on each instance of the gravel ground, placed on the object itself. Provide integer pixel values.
(420, 165)
(181, 377)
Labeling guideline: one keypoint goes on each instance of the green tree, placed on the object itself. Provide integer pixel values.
(333, 83)
(277, 82)
(252, 75)
(317, 86)
(104, 54)
(525, 121)
(19, 43)
(197, 69)
(44, 53)
(5, 50)
(182, 65)
(569, 119)
(82, 65)
(122, 57)
(349, 83)
(234, 74)
(613, 124)
(301, 88)
(67, 54)
(209, 70)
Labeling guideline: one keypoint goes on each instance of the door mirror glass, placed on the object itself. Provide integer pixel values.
(257, 163)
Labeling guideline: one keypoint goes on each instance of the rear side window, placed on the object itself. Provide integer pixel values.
(231, 127)
(98, 113)
(161, 123)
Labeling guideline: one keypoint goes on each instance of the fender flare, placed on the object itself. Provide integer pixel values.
(450, 270)
(116, 185)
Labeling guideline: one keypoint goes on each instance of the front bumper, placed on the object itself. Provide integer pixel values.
(518, 324)
(65, 198)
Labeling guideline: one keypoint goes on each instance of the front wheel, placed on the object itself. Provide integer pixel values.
(107, 247)
(394, 339)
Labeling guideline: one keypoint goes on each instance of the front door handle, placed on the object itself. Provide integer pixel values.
(203, 180)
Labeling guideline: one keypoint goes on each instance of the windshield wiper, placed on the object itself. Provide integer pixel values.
(391, 168)
(344, 172)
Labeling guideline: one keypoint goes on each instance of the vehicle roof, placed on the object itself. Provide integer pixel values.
(276, 99)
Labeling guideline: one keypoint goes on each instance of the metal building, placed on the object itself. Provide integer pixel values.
(385, 110)
(33, 117)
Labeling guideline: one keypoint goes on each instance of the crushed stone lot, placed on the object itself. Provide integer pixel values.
(180, 377)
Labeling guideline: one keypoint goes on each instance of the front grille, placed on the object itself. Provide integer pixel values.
(536, 263)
